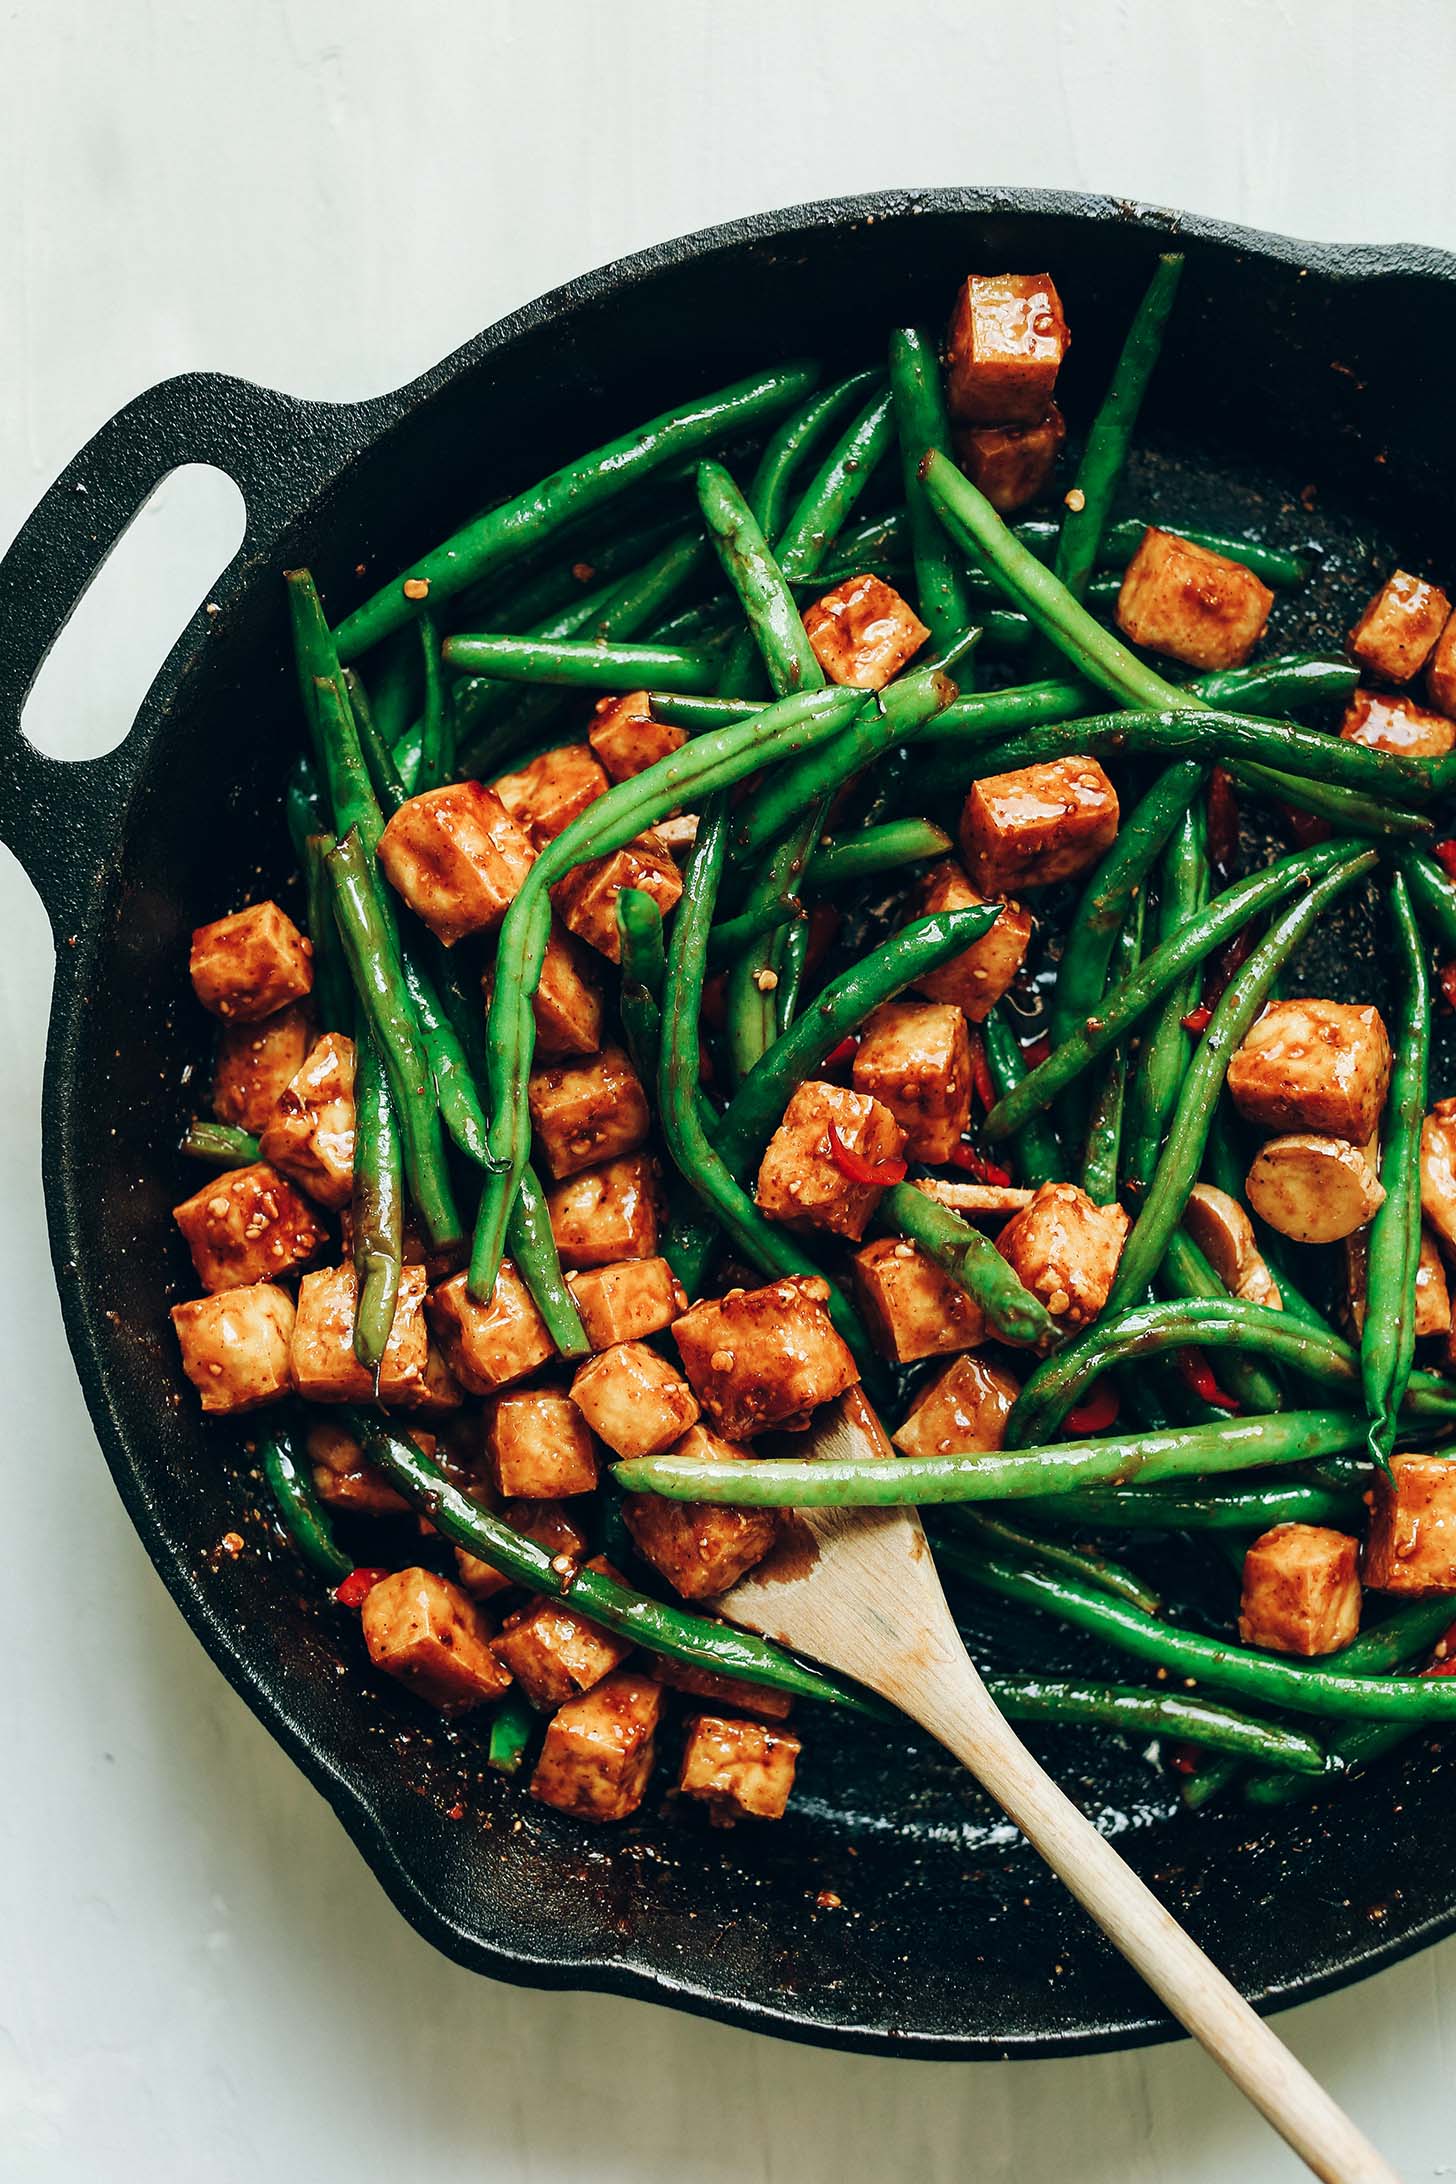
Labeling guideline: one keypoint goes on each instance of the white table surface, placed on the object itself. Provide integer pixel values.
(198, 1978)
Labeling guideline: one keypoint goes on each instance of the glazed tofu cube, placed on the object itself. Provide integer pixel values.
(1011, 464)
(862, 632)
(1190, 603)
(1301, 1590)
(1433, 1294)
(1438, 1171)
(1397, 633)
(1385, 720)
(586, 900)
(325, 1369)
(1039, 824)
(554, 789)
(1412, 1542)
(489, 1346)
(964, 1409)
(310, 1134)
(1314, 1065)
(423, 1630)
(700, 1549)
(623, 1303)
(251, 964)
(1441, 670)
(598, 1750)
(728, 1694)
(546, 1522)
(538, 1446)
(255, 1063)
(761, 1358)
(457, 857)
(588, 1111)
(235, 1346)
(915, 1059)
(567, 1003)
(554, 1653)
(436, 1393)
(635, 1400)
(739, 1768)
(249, 1225)
(806, 1179)
(911, 1306)
(344, 1479)
(975, 980)
(1313, 1189)
(627, 739)
(606, 1213)
(1065, 1249)
(1008, 335)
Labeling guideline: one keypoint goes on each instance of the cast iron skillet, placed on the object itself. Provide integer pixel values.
(893, 1912)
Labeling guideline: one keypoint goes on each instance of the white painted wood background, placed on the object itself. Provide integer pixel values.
(198, 1979)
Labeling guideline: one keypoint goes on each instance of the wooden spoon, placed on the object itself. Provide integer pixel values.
(857, 1590)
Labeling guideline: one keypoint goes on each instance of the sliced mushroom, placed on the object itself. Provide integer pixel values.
(1315, 1190)
(1224, 1234)
(977, 1197)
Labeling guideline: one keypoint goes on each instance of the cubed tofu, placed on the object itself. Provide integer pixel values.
(538, 1446)
(1397, 633)
(345, 1479)
(623, 1303)
(1008, 336)
(249, 1225)
(490, 1346)
(1387, 720)
(975, 980)
(567, 1004)
(325, 1369)
(235, 1346)
(700, 1549)
(1312, 1189)
(963, 1410)
(862, 632)
(586, 900)
(627, 739)
(804, 1183)
(1301, 1590)
(729, 1694)
(546, 1522)
(1190, 603)
(1036, 825)
(251, 964)
(915, 1058)
(588, 1111)
(606, 1213)
(457, 857)
(739, 1768)
(436, 1393)
(1011, 464)
(554, 1653)
(255, 1063)
(762, 1358)
(310, 1134)
(426, 1632)
(1064, 1248)
(598, 1750)
(911, 1306)
(633, 1399)
(554, 789)
(1314, 1065)
(1441, 669)
(1438, 1171)
(1411, 1547)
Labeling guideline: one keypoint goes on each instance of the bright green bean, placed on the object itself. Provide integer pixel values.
(921, 422)
(219, 1145)
(1388, 1340)
(300, 1511)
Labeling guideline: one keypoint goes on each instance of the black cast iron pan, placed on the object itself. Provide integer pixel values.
(893, 1911)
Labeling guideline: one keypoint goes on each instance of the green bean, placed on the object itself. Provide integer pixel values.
(970, 1259)
(533, 1248)
(378, 757)
(921, 422)
(1180, 1508)
(832, 496)
(351, 798)
(407, 753)
(219, 1145)
(1289, 681)
(890, 535)
(1388, 1340)
(1348, 809)
(512, 1726)
(1433, 894)
(1103, 1149)
(549, 584)
(796, 437)
(394, 688)
(749, 565)
(584, 666)
(1128, 1710)
(378, 1203)
(644, 968)
(1355, 1746)
(300, 1511)
(450, 1066)
(493, 721)
(1165, 1051)
(314, 656)
(1187, 1273)
(1403, 1637)
(1211, 1779)
(303, 805)
(873, 850)
(1092, 1568)
(767, 910)
(332, 994)
(436, 739)
(1034, 1152)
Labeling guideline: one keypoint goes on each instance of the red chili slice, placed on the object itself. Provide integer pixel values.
(1198, 1373)
(846, 1051)
(357, 1587)
(1447, 976)
(1223, 820)
(1036, 1050)
(1307, 827)
(859, 1170)
(1097, 1413)
(981, 1079)
(1445, 1661)
(976, 1164)
(1445, 853)
(1198, 1019)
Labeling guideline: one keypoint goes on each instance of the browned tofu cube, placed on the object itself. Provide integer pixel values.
(635, 1400)
(828, 1138)
(1433, 1294)
(554, 1653)
(1397, 633)
(1314, 1065)
(235, 1346)
(911, 1307)
(423, 1630)
(255, 1063)
(627, 739)
(249, 1225)
(739, 1768)
(310, 1134)
(625, 1302)
(761, 1358)
(598, 1750)
(700, 1549)
(964, 1409)
(1039, 824)
(1301, 1590)
(538, 1446)
(490, 1346)
(438, 1391)
(457, 857)
(1412, 1542)
(606, 1213)
(1387, 720)
(251, 964)
(1441, 669)
(1438, 1171)
(546, 1522)
(862, 632)
(1190, 603)
(567, 1003)
(975, 980)
(554, 789)
(325, 1369)
(586, 900)
(1064, 1248)
(915, 1059)
(1008, 335)
(588, 1111)
(729, 1694)
(345, 1479)
(1011, 464)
